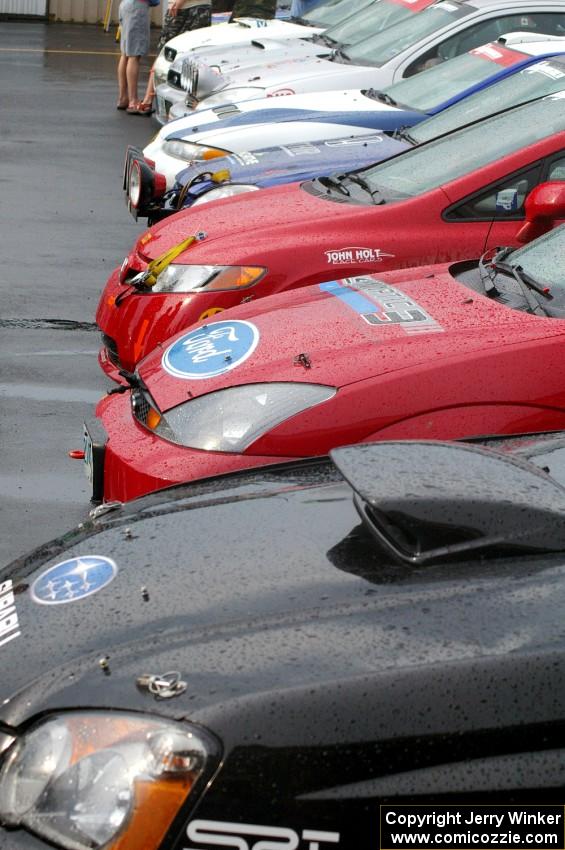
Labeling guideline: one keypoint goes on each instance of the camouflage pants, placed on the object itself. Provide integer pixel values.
(187, 19)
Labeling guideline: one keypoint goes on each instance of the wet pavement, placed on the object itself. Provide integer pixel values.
(64, 226)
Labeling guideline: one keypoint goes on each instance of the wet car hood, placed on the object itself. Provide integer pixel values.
(305, 602)
(336, 324)
(233, 224)
(293, 161)
(287, 73)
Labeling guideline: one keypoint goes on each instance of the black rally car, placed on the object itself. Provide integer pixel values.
(262, 660)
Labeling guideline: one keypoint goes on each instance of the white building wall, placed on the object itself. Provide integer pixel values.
(23, 7)
(88, 11)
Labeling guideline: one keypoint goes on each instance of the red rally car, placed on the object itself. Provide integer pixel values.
(451, 198)
(470, 348)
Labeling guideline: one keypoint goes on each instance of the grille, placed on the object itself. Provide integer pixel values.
(139, 406)
(189, 76)
(111, 350)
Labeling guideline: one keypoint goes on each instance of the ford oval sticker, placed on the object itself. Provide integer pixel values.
(211, 350)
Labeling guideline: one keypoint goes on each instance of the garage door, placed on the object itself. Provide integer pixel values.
(37, 8)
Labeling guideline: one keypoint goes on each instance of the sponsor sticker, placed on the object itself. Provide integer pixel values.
(507, 200)
(385, 305)
(355, 254)
(354, 140)
(552, 71)
(211, 350)
(500, 55)
(281, 92)
(9, 624)
(246, 158)
(212, 311)
(73, 579)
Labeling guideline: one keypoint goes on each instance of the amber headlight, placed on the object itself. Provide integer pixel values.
(190, 151)
(84, 780)
(181, 278)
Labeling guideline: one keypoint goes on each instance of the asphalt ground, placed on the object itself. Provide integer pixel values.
(63, 227)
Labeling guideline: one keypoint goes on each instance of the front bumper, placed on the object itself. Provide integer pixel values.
(137, 462)
(166, 96)
(142, 320)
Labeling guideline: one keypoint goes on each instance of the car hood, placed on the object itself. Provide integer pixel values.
(299, 104)
(286, 72)
(239, 621)
(238, 32)
(231, 225)
(296, 161)
(340, 327)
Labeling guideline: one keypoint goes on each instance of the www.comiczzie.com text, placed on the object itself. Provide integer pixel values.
(474, 827)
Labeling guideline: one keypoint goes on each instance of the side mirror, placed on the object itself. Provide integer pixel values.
(544, 205)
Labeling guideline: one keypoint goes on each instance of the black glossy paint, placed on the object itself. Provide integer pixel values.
(334, 679)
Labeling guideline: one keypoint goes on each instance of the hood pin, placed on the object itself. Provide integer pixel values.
(162, 687)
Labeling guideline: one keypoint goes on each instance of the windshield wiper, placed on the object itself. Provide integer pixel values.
(375, 94)
(401, 133)
(359, 181)
(340, 56)
(334, 183)
(523, 277)
(322, 38)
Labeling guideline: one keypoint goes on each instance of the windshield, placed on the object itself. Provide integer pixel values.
(535, 81)
(424, 168)
(544, 259)
(427, 90)
(334, 11)
(379, 49)
(378, 16)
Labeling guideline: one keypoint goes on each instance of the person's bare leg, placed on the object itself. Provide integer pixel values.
(123, 98)
(150, 90)
(132, 74)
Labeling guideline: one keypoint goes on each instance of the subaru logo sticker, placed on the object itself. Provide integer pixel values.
(211, 350)
(74, 579)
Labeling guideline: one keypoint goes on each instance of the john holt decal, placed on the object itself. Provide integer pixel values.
(348, 256)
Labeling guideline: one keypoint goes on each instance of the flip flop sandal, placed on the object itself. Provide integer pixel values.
(122, 106)
(133, 109)
(145, 108)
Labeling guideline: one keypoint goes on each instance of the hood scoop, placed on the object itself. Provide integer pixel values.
(427, 501)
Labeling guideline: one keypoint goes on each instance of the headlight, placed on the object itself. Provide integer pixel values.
(227, 191)
(231, 96)
(231, 420)
(170, 54)
(177, 278)
(190, 151)
(90, 779)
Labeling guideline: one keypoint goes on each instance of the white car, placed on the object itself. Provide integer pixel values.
(441, 31)
(515, 69)
(263, 49)
(244, 30)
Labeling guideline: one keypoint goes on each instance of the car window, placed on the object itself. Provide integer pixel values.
(505, 200)
(537, 80)
(439, 162)
(331, 13)
(379, 49)
(427, 90)
(373, 19)
(556, 169)
(483, 31)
